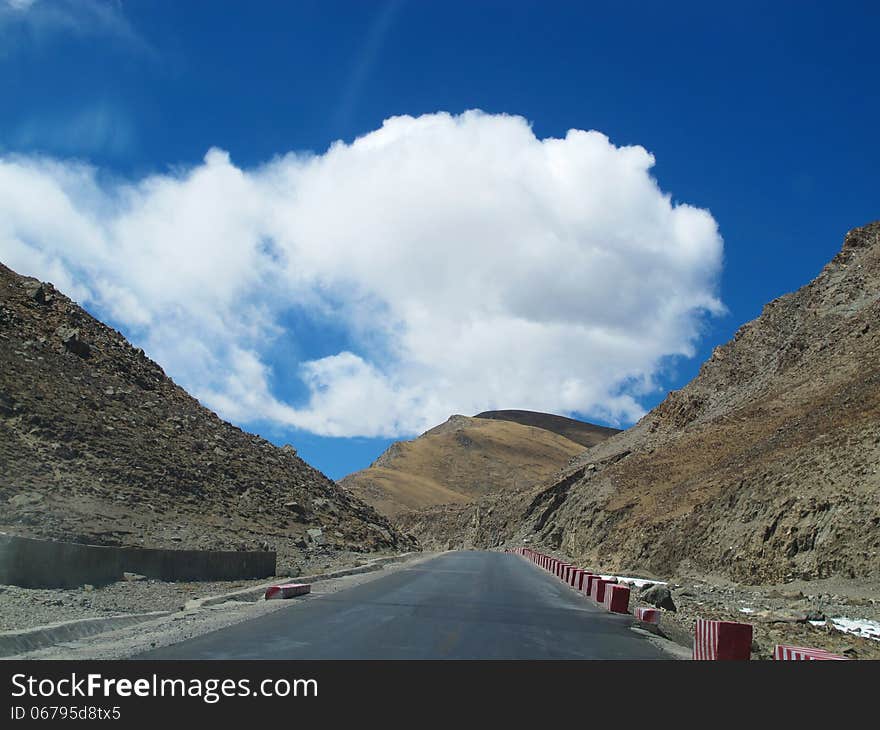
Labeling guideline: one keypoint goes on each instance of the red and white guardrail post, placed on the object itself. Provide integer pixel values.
(722, 640)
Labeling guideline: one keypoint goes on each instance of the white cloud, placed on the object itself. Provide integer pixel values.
(19, 6)
(470, 264)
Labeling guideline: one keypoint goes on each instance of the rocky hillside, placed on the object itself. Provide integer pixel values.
(765, 468)
(460, 460)
(97, 445)
(581, 432)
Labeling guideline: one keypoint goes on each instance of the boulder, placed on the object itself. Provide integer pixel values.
(38, 291)
(71, 339)
(659, 596)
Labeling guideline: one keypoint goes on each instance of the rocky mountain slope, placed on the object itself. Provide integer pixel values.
(460, 460)
(765, 468)
(581, 432)
(97, 445)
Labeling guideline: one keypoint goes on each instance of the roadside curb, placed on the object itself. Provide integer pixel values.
(39, 637)
(13, 643)
(257, 593)
(675, 650)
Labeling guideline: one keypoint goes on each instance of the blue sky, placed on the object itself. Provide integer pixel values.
(763, 116)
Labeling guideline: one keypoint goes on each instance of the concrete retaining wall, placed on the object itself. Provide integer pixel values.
(34, 563)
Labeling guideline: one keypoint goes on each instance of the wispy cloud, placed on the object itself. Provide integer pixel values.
(96, 129)
(471, 264)
(39, 21)
(365, 60)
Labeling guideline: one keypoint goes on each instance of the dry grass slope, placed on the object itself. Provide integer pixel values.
(458, 461)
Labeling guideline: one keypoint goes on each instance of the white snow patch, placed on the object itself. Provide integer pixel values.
(858, 627)
(746, 609)
(638, 582)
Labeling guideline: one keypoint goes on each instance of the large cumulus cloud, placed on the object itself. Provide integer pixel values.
(466, 263)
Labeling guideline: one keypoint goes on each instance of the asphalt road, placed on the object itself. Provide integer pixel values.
(461, 605)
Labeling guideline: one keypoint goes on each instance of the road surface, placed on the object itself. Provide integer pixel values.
(459, 605)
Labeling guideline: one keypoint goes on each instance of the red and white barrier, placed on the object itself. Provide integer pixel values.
(648, 615)
(781, 652)
(597, 591)
(616, 598)
(577, 575)
(722, 640)
(287, 590)
(583, 587)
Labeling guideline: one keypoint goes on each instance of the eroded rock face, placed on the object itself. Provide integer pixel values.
(764, 468)
(98, 445)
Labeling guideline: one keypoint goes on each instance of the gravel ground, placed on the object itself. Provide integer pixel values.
(795, 614)
(24, 608)
(779, 614)
(182, 625)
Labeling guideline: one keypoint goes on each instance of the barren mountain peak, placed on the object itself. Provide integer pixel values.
(98, 445)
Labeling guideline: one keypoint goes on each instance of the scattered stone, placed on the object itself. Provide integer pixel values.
(295, 507)
(26, 499)
(784, 616)
(132, 577)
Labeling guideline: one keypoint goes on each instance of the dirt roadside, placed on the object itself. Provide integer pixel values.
(199, 616)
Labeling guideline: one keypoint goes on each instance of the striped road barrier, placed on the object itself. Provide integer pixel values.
(781, 652)
(616, 598)
(648, 615)
(597, 591)
(722, 640)
(288, 590)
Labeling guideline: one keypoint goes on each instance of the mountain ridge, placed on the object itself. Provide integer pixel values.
(461, 459)
(581, 432)
(98, 445)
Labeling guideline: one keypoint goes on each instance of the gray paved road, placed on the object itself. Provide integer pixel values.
(462, 605)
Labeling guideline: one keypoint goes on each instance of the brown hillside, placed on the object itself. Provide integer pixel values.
(459, 460)
(764, 468)
(97, 445)
(581, 432)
